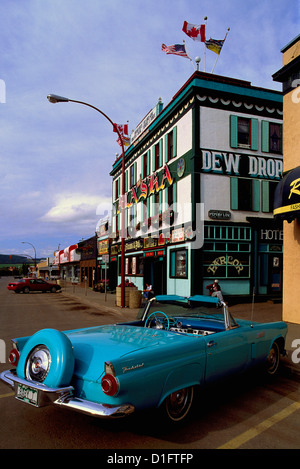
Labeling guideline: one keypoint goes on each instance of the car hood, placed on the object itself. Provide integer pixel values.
(118, 344)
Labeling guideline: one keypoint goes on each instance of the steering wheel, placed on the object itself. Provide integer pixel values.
(154, 316)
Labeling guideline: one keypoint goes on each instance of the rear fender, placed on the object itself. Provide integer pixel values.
(183, 377)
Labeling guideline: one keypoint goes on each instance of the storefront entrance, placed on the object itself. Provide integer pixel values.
(155, 274)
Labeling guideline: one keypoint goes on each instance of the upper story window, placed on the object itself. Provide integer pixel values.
(171, 145)
(271, 137)
(243, 132)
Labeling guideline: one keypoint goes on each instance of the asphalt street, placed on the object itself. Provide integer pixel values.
(247, 412)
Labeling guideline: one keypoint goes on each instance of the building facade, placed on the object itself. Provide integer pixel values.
(288, 197)
(200, 176)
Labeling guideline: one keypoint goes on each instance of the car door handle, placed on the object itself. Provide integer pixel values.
(211, 343)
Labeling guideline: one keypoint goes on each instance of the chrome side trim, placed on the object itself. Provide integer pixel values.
(64, 398)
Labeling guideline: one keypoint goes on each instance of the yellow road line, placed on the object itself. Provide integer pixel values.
(7, 395)
(261, 427)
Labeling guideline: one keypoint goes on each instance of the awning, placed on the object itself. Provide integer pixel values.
(287, 196)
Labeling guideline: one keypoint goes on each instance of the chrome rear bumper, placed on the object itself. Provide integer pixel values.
(64, 398)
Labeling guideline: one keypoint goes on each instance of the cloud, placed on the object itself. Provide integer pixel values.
(76, 209)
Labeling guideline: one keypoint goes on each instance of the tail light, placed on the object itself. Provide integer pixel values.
(14, 357)
(109, 385)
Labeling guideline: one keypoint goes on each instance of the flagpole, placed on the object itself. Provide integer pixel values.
(188, 54)
(220, 50)
(205, 19)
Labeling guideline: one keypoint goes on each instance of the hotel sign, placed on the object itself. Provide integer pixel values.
(148, 119)
(233, 164)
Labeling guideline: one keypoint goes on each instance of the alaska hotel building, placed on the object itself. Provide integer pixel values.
(200, 175)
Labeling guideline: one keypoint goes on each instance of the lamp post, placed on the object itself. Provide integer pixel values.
(53, 98)
(26, 242)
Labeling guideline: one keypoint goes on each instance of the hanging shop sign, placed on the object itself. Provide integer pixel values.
(103, 247)
(233, 164)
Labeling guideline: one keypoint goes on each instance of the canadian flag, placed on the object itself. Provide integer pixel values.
(194, 31)
(123, 129)
(123, 133)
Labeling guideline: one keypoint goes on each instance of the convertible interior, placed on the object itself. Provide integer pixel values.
(196, 315)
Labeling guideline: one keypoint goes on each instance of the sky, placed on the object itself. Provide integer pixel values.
(56, 159)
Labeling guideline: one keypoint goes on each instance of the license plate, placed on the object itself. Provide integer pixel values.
(27, 394)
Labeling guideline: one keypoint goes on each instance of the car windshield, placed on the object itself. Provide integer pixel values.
(193, 307)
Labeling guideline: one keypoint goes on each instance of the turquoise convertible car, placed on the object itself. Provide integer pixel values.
(176, 345)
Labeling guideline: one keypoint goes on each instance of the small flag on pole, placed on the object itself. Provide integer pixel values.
(123, 130)
(214, 45)
(176, 49)
(194, 31)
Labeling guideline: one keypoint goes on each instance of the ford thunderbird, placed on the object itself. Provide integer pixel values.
(176, 346)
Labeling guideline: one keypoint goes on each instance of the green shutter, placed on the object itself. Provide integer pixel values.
(174, 142)
(153, 159)
(234, 193)
(148, 163)
(255, 195)
(166, 148)
(254, 134)
(233, 131)
(265, 197)
(142, 167)
(174, 193)
(161, 149)
(265, 136)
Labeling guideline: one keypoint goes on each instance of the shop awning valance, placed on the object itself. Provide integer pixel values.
(287, 196)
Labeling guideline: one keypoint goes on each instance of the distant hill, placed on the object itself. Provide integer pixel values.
(7, 259)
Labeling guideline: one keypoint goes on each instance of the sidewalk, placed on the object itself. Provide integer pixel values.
(262, 312)
(106, 303)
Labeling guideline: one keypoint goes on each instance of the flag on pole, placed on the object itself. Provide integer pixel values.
(194, 31)
(123, 130)
(176, 49)
(215, 45)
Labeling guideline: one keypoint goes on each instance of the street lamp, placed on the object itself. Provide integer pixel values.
(26, 242)
(53, 98)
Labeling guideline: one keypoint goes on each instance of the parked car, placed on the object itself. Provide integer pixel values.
(175, 346)
(27, 285)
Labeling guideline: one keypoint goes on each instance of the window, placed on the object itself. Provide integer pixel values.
(117, 189)
(178, 267)
(271, 137)
(132, 175)
(171, 145)
(243, 132)
(134, 265)
(245, 194)
(227, 251)
(146, 164)
(157, 156)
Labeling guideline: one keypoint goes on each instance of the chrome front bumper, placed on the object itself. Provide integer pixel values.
(63, 397)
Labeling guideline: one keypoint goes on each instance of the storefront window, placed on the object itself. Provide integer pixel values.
(178, 266)
(227, 252)
(134, 265)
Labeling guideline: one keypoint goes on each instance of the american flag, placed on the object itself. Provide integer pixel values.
(176, 49)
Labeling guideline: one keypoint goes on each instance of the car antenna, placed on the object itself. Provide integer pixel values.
(252, 310)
